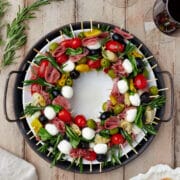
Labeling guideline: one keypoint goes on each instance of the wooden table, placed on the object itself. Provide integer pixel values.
(166, 145)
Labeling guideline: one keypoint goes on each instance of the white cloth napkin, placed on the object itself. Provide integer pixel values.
(14, 168)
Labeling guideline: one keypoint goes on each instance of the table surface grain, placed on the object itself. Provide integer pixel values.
(164, 148)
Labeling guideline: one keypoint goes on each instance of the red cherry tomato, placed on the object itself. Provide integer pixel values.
(114, 46)
(140, 81)
(65, 116)
(94, 64)
(36, 88)
(66, 43)
(80, 120)
(42, 67)
(117, 139)
(90, 156)
(62, 59)
(76, 43)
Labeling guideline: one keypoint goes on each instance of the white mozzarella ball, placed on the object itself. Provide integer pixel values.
(68, 66)
(135, 99)
(67, 92)
(49, 112)
(91, 145)
(100, 148)
(122, 86)
(35, 115)
(94, 46)
(51, 129)
(131, 114)
(64, 146)
(88, 133)
(136, 130)
(127, 66)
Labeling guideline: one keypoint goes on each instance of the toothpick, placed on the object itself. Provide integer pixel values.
(155, 96)
(151, 80)
(139, 47)
(47, 40)
(163, 89)
(90, 166)
(50, 151)
(157, 118)
(62, 35)
(29, 132)
(122, 26)
(145, 138)
(23, 89)
(134, 150)
(91, 25)
(32, 63)
(121, 146)
(82, 26)
(98, 26)
(72, 30)
(39, 142)
(23, 117)
(153, 122)
(154, 66)
(147, 58)
(34, 49)
(100, 167)
(32, 137)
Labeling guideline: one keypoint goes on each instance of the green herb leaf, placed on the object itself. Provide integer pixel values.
(133, 62)
(93, 57)
(44, 135)
(30, 109)
(40, 81)
(43, 148)
(105, 133)
(73, 52)
(138, 119)
(127, 137)
(150, 129)
(56, 108)
(67, 31)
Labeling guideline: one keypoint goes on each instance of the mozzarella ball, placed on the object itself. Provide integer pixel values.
(51, 129)
(127, 66)
(88, 133)
(64, 146)
(100, 148)
(135, 99)
(131, 114)
(136, 130)
(97, 45)
(122, 86)
(67, 92)
(68, 66)
(49, 112)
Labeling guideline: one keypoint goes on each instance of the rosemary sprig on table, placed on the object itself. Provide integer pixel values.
(16, 36)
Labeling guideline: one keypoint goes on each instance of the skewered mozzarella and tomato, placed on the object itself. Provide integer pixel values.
(67, 92)
(127, 66)
(135, 99)
(131, 114)
(100, 148)
(122, 86)
(49, 112)
(68, 66)
(64, 146)
(51, 129)
(88, 133)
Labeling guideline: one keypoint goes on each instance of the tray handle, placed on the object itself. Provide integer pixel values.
(172, 96)
(5, 96)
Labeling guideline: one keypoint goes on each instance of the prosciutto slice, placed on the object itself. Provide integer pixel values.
(51, 74)
(62, 101)
(122, 33)
(79, 56)
(46, 96)
(34, 72)
(59, 124)
(119, 69)
(112, 122)
(90, 41)
(59, 51)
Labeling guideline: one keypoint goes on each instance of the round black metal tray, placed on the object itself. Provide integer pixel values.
(25, 129)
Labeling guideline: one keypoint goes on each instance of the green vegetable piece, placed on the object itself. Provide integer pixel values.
(118, 108)
(138, 120)
(111, 73)
(73, 52)
(114, 131)
(105, 63)
(105, 133)
(91, 123)
(44, 135)
(69, 81)
(146, 73)
(104, 106)
(53, 46)
(153, 90)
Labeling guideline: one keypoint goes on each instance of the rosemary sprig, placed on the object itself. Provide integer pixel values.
(16, 36)
(40, 81)
(30, 109)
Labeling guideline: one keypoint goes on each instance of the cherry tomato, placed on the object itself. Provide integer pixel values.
(140, 81)
(62, 59)
(90, 156)
(36, 88)
(65, 116)
(76, 43)
(42, 68)
(94, 64)
(114, 46)
(66, 43)
(117, 139)
(80, 120)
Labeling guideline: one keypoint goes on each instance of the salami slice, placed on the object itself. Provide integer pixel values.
(119, 69)
(59, 124)
(79, 56)
(62, 101)
(122, 33)
(112, 122)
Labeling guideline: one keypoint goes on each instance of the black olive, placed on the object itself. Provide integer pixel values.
(43, 119)
(105, 115)
(145, 97)
(56, 93)
(74, 74)
(140, 64)
(101, 157)
(117, 37)
(144, 118)
(94, 52)
(83, 145)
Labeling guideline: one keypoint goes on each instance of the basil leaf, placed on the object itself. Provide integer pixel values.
(105, 133)
(56, 108)
(73, 52)
(44, 135)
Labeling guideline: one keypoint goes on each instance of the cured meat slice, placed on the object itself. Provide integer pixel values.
(119, 69)
(122, 33)
(59, 124)
(90, 41)
(59, 51)
(34, 72)
(62, 101)
(79, 56)
(46, 96)
(112, 122)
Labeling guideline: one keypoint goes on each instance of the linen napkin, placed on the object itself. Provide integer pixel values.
(14, 168)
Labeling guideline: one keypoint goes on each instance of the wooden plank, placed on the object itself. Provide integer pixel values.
(11, 138)
(100, 11)
(162, 148)
(50, 17)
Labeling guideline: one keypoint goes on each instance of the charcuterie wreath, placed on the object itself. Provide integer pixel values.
(127, 115)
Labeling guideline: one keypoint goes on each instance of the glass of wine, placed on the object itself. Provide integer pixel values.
(121, 3)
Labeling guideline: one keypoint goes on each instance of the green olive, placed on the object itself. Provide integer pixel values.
(111, 73)
(69, 82)
(53, 46)
(81, 35)
(153, 90)
(146, 73)
(82, 61)
(91, 123)
(114, 131)
(118, 108)
(104, 106)
(105, 63)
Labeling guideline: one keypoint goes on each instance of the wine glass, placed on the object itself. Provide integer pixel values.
(122, 3)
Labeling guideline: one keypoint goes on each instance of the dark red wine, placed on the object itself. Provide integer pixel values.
(174, 9)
